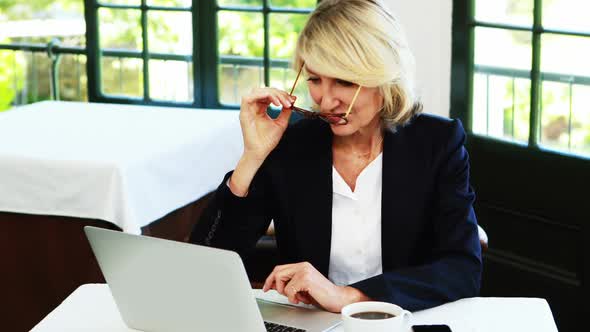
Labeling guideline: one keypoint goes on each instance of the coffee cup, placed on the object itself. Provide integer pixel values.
(374, 317)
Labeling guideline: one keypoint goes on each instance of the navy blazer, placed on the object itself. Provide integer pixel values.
(430, 246)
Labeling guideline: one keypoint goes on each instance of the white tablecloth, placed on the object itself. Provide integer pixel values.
(91, 308)
(129, 165)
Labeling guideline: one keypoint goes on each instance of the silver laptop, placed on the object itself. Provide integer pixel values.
(161, 285)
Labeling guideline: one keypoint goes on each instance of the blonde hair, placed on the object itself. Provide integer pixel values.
(360, 41)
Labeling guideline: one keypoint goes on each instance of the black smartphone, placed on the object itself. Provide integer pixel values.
(431, 328)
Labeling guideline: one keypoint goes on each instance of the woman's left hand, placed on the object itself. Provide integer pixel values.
(301, 282)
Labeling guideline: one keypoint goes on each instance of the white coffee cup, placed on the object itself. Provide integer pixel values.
(397, 323)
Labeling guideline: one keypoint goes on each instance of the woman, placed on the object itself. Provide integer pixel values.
(373, 203)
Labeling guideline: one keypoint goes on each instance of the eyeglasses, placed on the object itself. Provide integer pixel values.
(331, 118)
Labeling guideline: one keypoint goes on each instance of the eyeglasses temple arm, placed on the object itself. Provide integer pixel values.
(296, 79)
(353, 100)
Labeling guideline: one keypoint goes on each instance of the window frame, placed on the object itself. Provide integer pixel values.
(463, 69)
(205, 60)
(198, 57)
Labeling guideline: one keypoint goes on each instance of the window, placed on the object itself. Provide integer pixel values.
(528, 78)
(146, 50)
(264, 58)
(161, 52)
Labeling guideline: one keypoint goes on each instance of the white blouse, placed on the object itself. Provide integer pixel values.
(355, 252)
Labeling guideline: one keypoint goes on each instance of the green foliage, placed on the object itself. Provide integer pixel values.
(23, 10)
(239, 33)
(243, 33)
(285, 29)
(170, 3)
(256, 3)
(7, 91)
(294, 3)
(8, 73)
(120, 28)
(517, 115)
(14, 64)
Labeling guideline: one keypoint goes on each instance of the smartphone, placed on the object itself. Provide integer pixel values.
(431, 328)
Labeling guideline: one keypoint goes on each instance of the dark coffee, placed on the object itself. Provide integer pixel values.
(372, 315)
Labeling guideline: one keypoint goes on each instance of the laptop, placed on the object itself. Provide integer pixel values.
(162, 285)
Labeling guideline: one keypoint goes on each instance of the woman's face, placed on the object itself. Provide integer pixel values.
(334, 96)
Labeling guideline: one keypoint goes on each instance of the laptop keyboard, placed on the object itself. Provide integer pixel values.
(272, 327)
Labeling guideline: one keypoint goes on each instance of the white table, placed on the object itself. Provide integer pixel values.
(91, 308)
(65, 165)
(129, 165)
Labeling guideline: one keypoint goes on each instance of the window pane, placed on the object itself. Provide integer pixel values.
(121, 2)
(122, 76)
(555, 114)
(120, 29)
(565, 117)
(567, 14)
(517, 12)
(170, 32)
(310, 4)
(581, 119)
(503, 48)
(170, 3)
(284, 30)
(171, 80)
(241, 45)
(41, 21)
(73, 80)
(255, 3)
(567, 55)
(522, 104)
(501, 106)
(283, 78)
(480, 104)
(240, 33)
(238, 80)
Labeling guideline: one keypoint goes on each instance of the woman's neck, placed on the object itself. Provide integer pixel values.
(365, 141)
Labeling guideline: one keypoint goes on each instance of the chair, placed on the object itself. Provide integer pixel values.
(483, 239)
(265, 257)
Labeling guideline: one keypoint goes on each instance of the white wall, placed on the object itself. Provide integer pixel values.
(428, 26)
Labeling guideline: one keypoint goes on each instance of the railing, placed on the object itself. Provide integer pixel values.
(514, 74)
(237, 62)
(54, 52)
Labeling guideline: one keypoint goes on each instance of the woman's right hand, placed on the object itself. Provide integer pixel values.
(260, 132)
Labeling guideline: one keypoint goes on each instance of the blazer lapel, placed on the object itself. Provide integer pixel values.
(394, 221)
(314, 216)
(314, 224)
